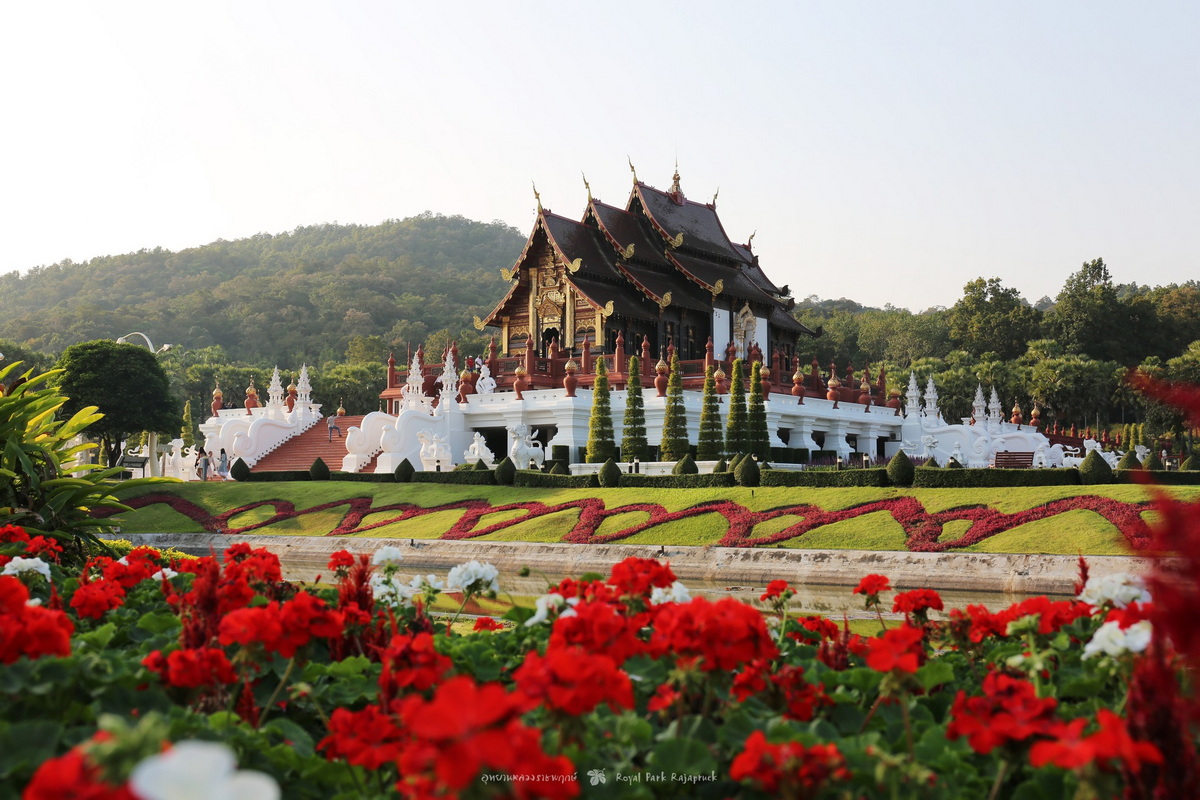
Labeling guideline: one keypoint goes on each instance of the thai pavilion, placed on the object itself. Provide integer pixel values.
(662, 270)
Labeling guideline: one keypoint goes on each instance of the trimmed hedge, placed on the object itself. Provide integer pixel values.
(363, 477)
(531, 478)
(714, 480)
(1165, 477)
(939, 478)
(824, 478)
(279, 475)
(465, 478)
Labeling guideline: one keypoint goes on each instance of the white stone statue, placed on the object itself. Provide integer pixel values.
(524, 449)
(435, 452)
(485, 384)
(479, 451)
(1039, 458)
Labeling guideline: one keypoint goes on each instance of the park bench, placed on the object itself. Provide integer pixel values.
(1014, 460)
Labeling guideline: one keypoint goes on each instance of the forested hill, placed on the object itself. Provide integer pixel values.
(286, 298)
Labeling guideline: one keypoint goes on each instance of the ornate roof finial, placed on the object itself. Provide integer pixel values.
(751, 239)
(586, 186)
(537, 197)
(675, 180)
(717, 192)
(631, 169)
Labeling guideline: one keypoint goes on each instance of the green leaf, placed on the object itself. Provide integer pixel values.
(935, 673)
(293, 735)
(681, 757)
(159, 623)
(28, 744)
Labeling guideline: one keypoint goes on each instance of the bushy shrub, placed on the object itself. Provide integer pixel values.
(559, 469)
(1095, 469)
(240, 471)
(1190, 464)
(480, 466)
(721, 466)
(952, 463)
(900, 470)
(404, 471)
(319, 471)
(747, 472)
(505, 472)
(610, 475)
(1152, 462)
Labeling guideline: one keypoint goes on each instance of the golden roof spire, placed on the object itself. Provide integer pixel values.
(537, 197)
(586, 186)
(631, 169)
(675, 179)
(717, 192)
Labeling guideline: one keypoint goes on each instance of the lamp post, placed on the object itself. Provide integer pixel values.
(151, 436)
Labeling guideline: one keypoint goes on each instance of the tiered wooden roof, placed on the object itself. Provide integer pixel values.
(660, 250)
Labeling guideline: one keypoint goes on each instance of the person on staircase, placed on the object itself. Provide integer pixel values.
(333, 426)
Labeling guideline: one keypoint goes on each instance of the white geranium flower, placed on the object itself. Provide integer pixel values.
(164, 574)
(421, 583)
(1119, 589)
(473, 577)
(195, 770)
(543, 606)
(21, 565)
(391, 591)
(388, 554)
(675, 593)
(1110, 639)
(33, 601)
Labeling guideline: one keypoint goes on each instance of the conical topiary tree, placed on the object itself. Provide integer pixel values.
(758, 441)
(240, 471)
(187, 432)
(319, 471)
(735, 425)
(747, 473)
(1129, 460)
(610, 475)
(1190, 464)
(505, 472)
(1095, 469)
(600, 444)
(633, 440)
(1152, 462)
(674, 444)
(685, 466)
(900, 470)
(404, 471)
(711, 442)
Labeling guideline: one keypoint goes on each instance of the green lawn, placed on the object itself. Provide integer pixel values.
(787, 517)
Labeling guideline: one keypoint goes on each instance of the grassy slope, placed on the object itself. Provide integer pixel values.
(1068, 533)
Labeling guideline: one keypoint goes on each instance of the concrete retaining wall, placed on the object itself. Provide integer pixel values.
(304, 557)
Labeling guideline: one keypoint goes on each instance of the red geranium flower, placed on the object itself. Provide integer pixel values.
(916, 601)
(94, 599)
(664, 697)
(638, 576)
(367, 738)
(1009, 711)
(574, 681)
(411, 662)
(725, 634)
(30, 631)
(487, 624)
(789, 769)
(898, 649)
(73, 775)
(777, 589)
(341, 559)
(873, 585)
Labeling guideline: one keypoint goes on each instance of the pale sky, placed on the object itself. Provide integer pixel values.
(885, 152)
